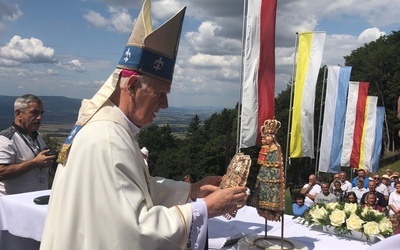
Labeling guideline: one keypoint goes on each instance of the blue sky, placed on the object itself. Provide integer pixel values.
(69, 48)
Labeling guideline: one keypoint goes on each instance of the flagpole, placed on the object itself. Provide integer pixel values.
(320, 120)
(287, 159)
(241, 78)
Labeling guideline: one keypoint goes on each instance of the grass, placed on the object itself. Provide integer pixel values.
(395, 167)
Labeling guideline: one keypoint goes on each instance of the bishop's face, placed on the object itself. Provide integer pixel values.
(146, 100)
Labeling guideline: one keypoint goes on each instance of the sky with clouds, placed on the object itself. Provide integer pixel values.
(69, 48)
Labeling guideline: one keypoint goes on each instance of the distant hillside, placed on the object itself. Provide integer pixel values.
(64, 110)
(58, 109)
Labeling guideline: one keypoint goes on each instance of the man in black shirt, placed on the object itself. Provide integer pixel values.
(380, 198)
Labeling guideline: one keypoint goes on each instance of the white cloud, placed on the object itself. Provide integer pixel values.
(52, 72)
(284, 56)
(337, 46)
(203, 60)
(19, 50)
(9, 12)
(369, 35)
(8, 63)
(165, 9)
(119, 20)
(205, 40)
(74, 65)
(375, 13)
(209, 58)
(96, 19)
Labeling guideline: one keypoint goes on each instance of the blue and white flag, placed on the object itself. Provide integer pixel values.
(334, 118)
(376, 155)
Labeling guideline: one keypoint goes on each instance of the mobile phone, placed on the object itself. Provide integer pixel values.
(42, 200)
(50, 152)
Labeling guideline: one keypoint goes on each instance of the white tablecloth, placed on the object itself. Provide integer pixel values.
(248, 221)
(24, 220)
(21, 221)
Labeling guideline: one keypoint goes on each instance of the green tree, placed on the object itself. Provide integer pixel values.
(51, 142)
(194, 125)
(157, 139)
(206, 150)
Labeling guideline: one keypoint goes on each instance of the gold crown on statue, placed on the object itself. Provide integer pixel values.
(271, 126)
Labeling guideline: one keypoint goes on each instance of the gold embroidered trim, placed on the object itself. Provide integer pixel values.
(184, 221)
(268, 205)
(268, 164)
(268, 181)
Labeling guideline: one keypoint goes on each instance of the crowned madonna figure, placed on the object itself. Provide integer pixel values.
(269, 193)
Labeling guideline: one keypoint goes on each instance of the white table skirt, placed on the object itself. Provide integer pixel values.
(248, 221)
(21, 221)
(21, 218)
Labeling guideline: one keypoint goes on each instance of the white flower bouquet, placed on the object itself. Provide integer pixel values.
(346, 218)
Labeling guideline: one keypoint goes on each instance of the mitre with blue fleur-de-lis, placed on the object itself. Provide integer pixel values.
(148, 52)
(153, 52)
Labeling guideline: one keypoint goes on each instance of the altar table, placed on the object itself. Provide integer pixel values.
(22, 221)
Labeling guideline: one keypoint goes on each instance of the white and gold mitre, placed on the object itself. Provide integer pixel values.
(153, 52)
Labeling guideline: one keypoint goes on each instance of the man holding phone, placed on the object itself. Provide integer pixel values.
(24, 159)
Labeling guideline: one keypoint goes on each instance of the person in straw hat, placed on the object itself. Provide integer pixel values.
(103, 196)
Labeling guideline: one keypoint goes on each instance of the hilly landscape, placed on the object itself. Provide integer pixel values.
(61, 113)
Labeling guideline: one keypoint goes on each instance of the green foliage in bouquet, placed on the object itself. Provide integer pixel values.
(348, 217)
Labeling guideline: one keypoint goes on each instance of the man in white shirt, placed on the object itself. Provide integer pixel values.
(345, 184)
(331, 186)
(385, 179)
(24, 161)
(359, 190)
(394, 178)
(310, 190)
(381, 188)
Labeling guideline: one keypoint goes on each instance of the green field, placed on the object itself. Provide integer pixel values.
(59, 131)
(395, 167)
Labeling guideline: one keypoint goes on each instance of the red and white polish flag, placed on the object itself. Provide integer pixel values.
(258, 87)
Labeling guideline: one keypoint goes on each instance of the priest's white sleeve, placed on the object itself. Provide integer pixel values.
(198, 230)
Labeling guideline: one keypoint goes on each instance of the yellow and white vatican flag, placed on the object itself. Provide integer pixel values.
(309, 57)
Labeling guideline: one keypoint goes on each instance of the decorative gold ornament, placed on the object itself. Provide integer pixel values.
(236, 175)
(271, 126)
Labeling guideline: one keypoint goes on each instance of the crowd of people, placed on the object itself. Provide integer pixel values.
(381, 193)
